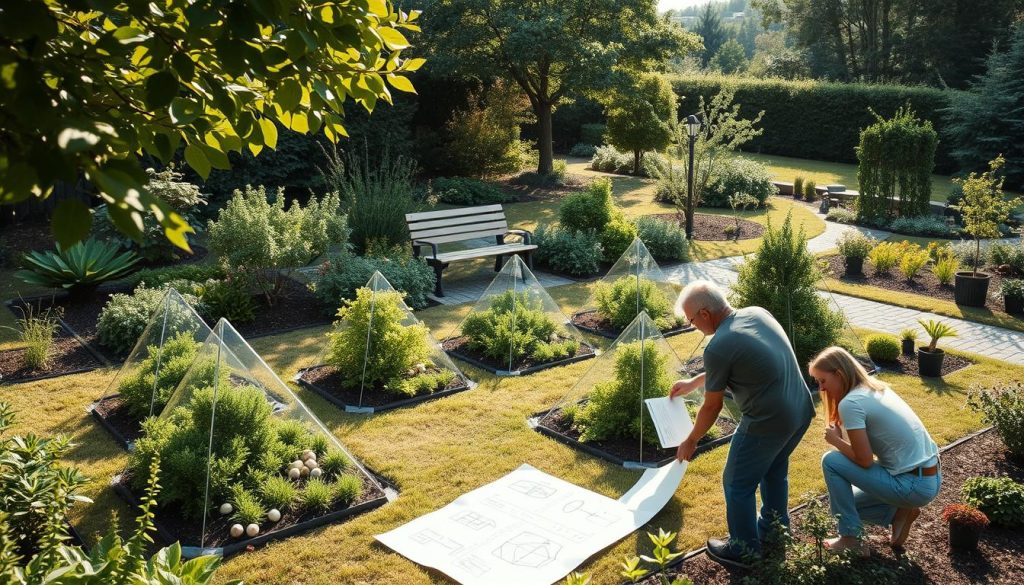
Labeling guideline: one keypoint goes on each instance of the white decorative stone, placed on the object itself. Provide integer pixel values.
(225, 509)
(274, 515)
(294, 473)
(252, 530)
(421, 367)
(312, 464)
(316, 472)
(295, 464)
(236, 530)
(308, 454)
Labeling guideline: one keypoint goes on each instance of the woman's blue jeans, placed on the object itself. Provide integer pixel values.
(858, 495)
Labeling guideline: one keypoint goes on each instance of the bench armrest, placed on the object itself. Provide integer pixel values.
(525, 234)
(417, 244)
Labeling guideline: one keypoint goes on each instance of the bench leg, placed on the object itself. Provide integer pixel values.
(529, 260)
(497, 263)
(438, 268)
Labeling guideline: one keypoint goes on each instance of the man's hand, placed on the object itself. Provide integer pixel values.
(686, 449)
(683, 387)
(834, 435)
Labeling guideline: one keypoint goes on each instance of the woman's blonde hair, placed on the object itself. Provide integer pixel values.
(837, 360)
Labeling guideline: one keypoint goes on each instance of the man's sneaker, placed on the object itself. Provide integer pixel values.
(725, 555)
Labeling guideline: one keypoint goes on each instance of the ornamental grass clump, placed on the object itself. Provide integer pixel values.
(912, 261)
(513, 328)
(36, 330)
(886, 256)
(372, 347)
(621, 301)
(945, 268)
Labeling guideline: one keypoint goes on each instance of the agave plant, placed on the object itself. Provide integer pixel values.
(83, 266)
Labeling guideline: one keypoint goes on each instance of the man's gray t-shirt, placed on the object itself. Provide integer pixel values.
(751, 356)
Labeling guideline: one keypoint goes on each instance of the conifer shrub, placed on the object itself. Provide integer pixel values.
(346, 489)
(883, 348)
(617, 302)
(513, 328)
(334, 463)
(279, 492)
(318, 496)
(782, 278)
(145, 389)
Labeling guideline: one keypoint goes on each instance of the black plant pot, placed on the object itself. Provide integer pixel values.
(963, 537)
(970, 290)
(908, 347)
(854, 266)
(1014, 305)
(929, 363)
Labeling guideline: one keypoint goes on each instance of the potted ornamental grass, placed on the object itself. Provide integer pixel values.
(966, 524)
(929, 359)
(908, 338)
(983, 207)
(855, 247)
(1012, 290)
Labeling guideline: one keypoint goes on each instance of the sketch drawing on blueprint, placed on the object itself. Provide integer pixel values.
(473, 520)
(527, 549)
(428, 536)
(533, 489)
(474, 565)
(599, 518)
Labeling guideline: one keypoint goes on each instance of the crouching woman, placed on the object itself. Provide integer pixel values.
(886, 467)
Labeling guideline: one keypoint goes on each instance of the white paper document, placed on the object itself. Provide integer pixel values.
(671, 420)
(528, 527)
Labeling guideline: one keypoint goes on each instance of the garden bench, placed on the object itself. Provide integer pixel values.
(432, 228)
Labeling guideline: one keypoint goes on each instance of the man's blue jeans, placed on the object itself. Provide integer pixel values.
(757, 460)
(872, 495)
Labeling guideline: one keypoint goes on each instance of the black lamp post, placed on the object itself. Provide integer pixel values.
(692, 130)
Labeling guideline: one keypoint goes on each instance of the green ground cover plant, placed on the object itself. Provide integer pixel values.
(36, 330)
(515, 327)
(464, 191)
(1000, 498)
(1003, 407)
(343, 274)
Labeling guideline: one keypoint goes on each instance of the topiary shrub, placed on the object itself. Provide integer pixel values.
(611, 412)
(513, 328)
(588, 210)
(1000, 498)
(783, 279)
(738, 175)
(1003, 408)
(340, 277)
(145, 389)
(664, 239)
(574, 253)
(616, 237)
(883, 348)
(617, 302)
(373, 348)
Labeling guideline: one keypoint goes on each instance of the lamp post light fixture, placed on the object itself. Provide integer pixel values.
(693, 125)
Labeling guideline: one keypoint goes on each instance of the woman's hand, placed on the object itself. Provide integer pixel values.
(834, 436)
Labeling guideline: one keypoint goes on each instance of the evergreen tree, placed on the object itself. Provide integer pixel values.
(709, 27)
(730, 57)
(988, 120)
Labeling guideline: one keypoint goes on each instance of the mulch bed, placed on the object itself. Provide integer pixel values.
(924, 283)
(626, 449)
(708, 227)
(327, 381)
(591, 322)
(459, 347)
(67, 356)
(907, 364)
(1000, 554)
(113, 413)
(172, 526)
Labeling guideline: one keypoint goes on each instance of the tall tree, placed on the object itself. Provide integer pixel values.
(553, 49)
(711, 31)
(86, 86)
(640, 118)
(730, 57)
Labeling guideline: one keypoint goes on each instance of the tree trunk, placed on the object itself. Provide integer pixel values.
(544, 144)
(637, 157)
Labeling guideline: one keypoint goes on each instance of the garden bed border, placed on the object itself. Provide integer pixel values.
(667, 333)
(125, 444)
(375, 409)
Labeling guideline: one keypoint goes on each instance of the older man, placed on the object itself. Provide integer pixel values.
(750, 356)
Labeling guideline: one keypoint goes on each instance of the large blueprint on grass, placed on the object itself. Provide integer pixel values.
(529, 527)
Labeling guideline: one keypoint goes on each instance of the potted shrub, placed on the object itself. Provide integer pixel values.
(855, 247)
(909, 338)
(1012, 290)
(983, 208)
(798, 188)
(810, 192)
(965, 525)
(929, 359)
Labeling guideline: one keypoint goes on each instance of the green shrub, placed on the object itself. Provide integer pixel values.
(922, 225)
(511, 329)
(854, 244)
(145, 389)
(123, 319)
(574, 253)
(1002, 254)
(896, 157)
(886, 255)
(262, 243)
(334, 462)
(1012, 287)
(1003, 408)
(1001, 499)
(464, 191)
(664, 239)
(346, 489)
(617, 302)
(588, 210)
(247, 507)
(798, 187)
(840, 215)
(344, 274)
(228, 298)
(79, 268)
(317, 496)
(425, 383)
(608, 160)
(810, 192)
(582, 149)
(612, 409)
(592, 134)
(790, 295)
(482, 139)
(279, 492)
(616, 238)
(549, 352)
(912, 261)
(883, 348)
(738, 175)
(945, 268)
(373, 347)
(157, 277)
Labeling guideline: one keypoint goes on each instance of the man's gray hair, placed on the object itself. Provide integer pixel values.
(703, 294)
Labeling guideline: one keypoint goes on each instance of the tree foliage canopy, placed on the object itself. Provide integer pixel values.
(86, 86)
(641, 119)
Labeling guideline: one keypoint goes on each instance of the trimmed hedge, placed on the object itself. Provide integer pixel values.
(816, 119)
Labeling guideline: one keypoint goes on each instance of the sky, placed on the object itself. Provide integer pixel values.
(664, 5)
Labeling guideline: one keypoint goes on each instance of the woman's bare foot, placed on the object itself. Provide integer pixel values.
(850, 543)
(901, 524)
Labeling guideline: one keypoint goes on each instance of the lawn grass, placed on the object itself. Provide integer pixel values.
(441, 449)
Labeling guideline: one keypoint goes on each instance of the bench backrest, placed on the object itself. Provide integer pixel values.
(456, 225)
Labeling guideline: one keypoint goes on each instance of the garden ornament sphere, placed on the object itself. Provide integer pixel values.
(294, 473)
(236, 530)
(274, 515)
(316, 472)
(308, 454)
(312, 464)
(225, 509)
(252, 530)
(295, 464)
